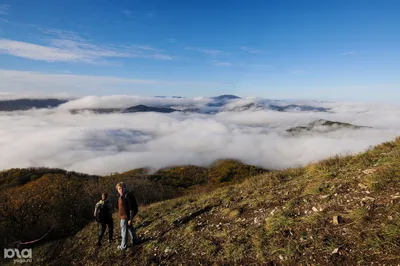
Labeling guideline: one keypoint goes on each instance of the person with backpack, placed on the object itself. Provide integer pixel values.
(128, 208)
(103, 213)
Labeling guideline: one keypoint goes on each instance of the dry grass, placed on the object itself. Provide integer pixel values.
(280, 217)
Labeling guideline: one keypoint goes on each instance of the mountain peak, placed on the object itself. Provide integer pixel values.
(226, 97)
(145, 108)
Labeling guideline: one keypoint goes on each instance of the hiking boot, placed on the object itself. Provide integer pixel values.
(135, 241)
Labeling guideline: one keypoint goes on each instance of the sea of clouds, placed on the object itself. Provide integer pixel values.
(106, 143)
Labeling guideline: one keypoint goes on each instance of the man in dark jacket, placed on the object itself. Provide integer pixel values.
(105, 219)
(127, 207)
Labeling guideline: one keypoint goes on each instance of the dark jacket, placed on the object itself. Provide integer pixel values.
(109, 206)
(129, 204)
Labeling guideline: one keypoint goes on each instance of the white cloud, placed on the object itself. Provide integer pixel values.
(127, 12)
(240, 103)
(249, 50)
(348, 53)
(219, 63)
(34, 95)
(161, 57)
(69, 47)
(4, 9)
(138, 16)
(30, 81)
(204, 51)
(103, 144)
(125, 101)
(38, 52)
(143, 47)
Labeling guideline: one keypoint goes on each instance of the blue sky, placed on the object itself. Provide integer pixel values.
(324, 50)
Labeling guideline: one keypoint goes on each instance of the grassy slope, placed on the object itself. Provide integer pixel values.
(281, 217)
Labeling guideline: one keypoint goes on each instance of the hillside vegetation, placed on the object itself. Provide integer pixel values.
(343, 210)
(322, 125)
(17, 177)
(33, 200)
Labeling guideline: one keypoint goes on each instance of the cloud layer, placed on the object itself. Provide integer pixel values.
(105, 143)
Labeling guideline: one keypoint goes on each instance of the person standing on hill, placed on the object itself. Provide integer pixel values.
(103, 213)
(128, 208)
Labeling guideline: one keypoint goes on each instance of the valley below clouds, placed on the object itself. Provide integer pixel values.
(104, 143)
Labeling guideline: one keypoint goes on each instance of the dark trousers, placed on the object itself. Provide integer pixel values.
(102, 229)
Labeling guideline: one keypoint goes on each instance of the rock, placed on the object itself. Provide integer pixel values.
(314, 209)
(324, 196)
(390, 217)
(335, 251)
(362, 186)
(395, 199)
(336, 219)
(366, 199)
(369, 171)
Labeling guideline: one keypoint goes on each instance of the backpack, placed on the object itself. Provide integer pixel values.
(102, 213)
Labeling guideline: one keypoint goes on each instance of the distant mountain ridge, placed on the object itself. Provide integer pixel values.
(96, 110)
(225, 97)
(221, 100)
(26, 104)
(145, 108)
(323, 125)
(295, 107)
(211, 105)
